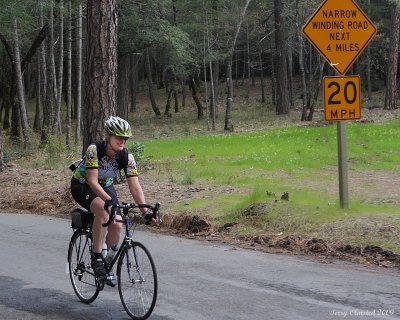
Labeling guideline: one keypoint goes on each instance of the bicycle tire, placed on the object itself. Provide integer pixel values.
(80, 269)
(137, 281)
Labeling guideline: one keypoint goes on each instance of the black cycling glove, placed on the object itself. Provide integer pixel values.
(148, 216)
(108, 203)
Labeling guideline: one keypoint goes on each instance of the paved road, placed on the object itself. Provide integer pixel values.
(197, 281)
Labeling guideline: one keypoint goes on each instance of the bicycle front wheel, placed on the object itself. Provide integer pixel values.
(137, 281)
(80, 269)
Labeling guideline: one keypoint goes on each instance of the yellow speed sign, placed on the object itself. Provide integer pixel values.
(342, 98)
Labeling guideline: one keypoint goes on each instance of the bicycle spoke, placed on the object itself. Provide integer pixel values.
(137, 281)
(81, 273)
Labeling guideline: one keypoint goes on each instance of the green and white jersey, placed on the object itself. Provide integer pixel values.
(96, 158)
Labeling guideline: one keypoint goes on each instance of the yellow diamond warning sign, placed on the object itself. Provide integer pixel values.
(340, 31)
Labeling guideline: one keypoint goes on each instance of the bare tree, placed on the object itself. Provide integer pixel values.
(69, 75)
(20, 86)
(57, 118)
(229, 100)
(391, 86)
(48, 106)
(134, 80)
(42, 72)
(123, 85)
(79, 76)
(196, 99)
(150, 83)
(368, 62)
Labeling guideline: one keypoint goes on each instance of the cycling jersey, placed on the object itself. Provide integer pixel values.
(96, 158)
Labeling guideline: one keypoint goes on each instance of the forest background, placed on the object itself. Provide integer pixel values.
(233, 73)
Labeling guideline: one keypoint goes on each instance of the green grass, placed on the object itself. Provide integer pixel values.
(299, 160)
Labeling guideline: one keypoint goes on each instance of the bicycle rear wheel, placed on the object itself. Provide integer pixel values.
(80, 269)
(137, 281)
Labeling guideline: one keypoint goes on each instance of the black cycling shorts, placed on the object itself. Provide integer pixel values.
(82, 193)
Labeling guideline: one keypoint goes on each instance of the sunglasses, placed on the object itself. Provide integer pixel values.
(121, 138)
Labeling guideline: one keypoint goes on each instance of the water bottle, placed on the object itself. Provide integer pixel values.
(104, 251)
(111, 253)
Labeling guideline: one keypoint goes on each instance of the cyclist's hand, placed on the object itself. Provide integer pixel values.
(148, 217)
(108, 204)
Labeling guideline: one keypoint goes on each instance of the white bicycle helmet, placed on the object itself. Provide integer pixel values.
(118, 127)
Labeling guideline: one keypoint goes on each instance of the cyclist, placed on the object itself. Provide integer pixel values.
(92, 185)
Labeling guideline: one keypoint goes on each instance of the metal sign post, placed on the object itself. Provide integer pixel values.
(340, 31)
(342, 162)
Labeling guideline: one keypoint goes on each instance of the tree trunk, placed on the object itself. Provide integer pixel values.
(176, 110)
(183, 93)
(368, 62)
(273, 76)
(316, 91)
(216, 86)
(79, 77)
(213, 106)
(248, 62)
(11, 100)
(123, 86)
(263, 100)
(290, 74)
(2, 165)
(101, 73)
(42, 68)
(57, 120)
(37, 124)
(6, 118)
(301, 65)
(167, 111)
(391, 86)
(150, 84)
(193, 87)
(48, 108)
(20, 87)
(229, 100)
(282, 98)
(236, 70)
(51, 67)
(134, 80)
(69, 76)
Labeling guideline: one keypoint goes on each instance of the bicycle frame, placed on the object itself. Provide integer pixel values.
(136, 287)
(125, 243)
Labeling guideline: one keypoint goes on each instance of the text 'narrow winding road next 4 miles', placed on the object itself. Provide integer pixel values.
(340, 31)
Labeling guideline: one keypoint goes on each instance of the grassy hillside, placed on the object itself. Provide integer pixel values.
(301, 161)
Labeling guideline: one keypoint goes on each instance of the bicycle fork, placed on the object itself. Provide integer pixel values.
(133, 266)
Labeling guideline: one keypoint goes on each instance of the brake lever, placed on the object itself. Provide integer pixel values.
(111, 217)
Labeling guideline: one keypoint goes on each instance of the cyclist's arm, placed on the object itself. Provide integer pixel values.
(136, 191)
(92, 179)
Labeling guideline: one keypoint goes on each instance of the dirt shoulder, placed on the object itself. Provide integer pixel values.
(46, 192)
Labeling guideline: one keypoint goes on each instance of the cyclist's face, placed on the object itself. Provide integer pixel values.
(117, 143)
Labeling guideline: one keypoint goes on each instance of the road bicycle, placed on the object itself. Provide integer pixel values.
(136, 272)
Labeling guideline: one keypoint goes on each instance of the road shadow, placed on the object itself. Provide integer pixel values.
(55, 304)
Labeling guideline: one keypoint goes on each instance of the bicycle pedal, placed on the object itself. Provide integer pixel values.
(100, 282)
(111, 280)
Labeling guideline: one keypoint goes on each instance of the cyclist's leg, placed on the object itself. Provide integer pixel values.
(99, 234)
(113, 234)
(83, 194)
(114, 229)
